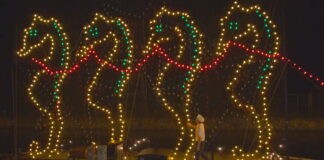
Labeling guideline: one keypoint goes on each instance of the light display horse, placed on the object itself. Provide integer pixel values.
(39, 33)
(100, 32)
(251, 22)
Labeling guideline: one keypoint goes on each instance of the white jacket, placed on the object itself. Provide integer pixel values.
(200, 128)
(200, 132)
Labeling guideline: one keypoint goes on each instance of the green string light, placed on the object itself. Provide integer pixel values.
(233, 25)
(94, 31)
(33, 33)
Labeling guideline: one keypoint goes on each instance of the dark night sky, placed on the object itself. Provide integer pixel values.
(301, 23)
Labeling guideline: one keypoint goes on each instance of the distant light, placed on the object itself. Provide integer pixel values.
(220, 149)
(281, 146)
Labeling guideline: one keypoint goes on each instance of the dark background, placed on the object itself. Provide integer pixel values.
(300, 23)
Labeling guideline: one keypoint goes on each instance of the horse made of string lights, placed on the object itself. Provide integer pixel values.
(114, 31)
(188, 39)
(100, 32)
(239, 24)
(40, 32)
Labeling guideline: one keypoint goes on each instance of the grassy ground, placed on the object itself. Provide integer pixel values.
(132, 156)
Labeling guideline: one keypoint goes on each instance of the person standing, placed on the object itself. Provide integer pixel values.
(199, 137)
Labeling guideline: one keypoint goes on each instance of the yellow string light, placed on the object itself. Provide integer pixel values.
(58, 44)
(261, 119)
(156, 39)
(91, 44)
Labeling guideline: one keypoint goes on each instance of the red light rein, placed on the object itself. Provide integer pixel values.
(164, 55)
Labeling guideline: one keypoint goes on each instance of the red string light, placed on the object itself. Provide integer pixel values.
(165, 56)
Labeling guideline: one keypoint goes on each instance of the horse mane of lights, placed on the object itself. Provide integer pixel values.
(57, 65)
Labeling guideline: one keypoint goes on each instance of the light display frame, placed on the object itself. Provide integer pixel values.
(152, 48)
